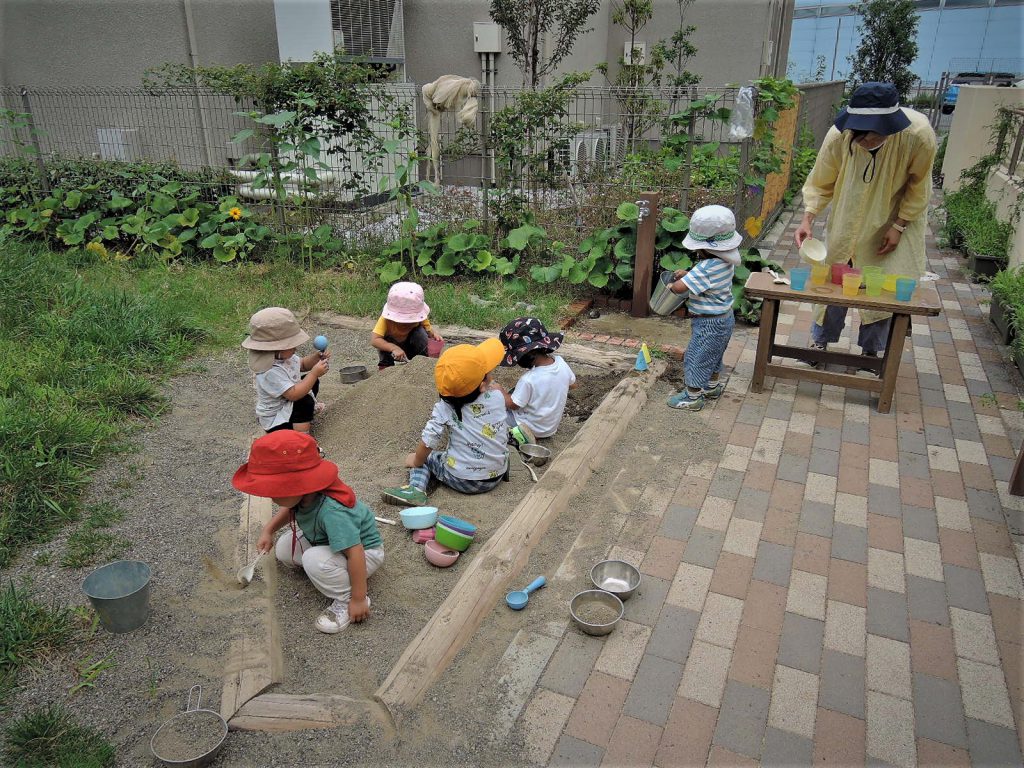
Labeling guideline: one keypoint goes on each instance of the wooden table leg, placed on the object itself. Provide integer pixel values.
(765, 339)
(893, 355)
(1017, 476)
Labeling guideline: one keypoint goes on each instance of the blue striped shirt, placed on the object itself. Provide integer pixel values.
(710, 286)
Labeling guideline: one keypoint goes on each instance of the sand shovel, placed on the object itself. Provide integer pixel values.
(246, 573)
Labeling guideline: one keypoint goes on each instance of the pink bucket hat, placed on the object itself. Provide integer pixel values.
(405, 304)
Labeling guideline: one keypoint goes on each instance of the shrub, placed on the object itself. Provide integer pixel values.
(48, 737)
(29, 631)
(1008, 287)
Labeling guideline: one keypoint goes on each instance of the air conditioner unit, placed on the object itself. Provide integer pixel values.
(596, 149)
(372, 30)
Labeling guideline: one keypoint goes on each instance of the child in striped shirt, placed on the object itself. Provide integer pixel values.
(714, 238)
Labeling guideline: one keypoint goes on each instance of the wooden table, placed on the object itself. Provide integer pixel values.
(760, 285)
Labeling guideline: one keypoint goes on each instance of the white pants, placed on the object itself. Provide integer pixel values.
(326, 569)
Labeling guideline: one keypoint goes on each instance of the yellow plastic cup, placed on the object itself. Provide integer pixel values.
(821, 272)
(873, 283)
(890, 282)
(851, 283)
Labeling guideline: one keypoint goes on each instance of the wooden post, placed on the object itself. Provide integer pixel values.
(643, 263)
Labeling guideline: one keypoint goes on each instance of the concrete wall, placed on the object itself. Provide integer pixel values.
(1006, 193)
(68, 43)
(970, 135)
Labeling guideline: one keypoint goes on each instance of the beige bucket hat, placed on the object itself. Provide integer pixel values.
(271, 330)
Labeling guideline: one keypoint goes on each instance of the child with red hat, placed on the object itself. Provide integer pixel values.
(332, 535)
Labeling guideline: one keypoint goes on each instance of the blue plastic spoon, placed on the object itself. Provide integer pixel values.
(517, 600)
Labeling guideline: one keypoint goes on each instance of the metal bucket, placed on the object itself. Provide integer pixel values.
(120, 594)
(663, 301)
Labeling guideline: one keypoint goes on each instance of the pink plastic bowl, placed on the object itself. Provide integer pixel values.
(423, 536)
(439, 555)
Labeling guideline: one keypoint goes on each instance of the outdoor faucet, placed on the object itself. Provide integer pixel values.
(645, 209)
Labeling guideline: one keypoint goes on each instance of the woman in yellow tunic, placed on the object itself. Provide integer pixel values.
(875, 168)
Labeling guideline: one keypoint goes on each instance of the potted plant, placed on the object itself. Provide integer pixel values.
(1007, 302)
(986, 240)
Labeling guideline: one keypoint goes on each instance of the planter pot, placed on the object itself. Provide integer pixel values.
(1000, 317)
(984, 266)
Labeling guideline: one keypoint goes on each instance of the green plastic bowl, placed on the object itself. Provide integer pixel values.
(451, 539)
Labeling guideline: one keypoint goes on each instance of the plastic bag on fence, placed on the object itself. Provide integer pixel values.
(741, 121)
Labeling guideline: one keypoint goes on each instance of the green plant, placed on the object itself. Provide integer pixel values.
(804, 155)
(88, 673)
(1008, 287)
(752, 261)
(988, 399)
(888, 44)
(48, 737)
(773, 97)
(90, 544)
(29, 630)
(445, 250)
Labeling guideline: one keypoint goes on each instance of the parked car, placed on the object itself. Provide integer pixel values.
(1001, 79)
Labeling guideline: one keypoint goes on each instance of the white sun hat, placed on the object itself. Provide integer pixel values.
(712, 228)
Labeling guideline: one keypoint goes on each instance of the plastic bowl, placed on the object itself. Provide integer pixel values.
(813, 251)
(616, 576)
(449, 538)
(415, 518)
(423, 536)
(599, 597)
(440, 555)
(457, 525)
(456, 531)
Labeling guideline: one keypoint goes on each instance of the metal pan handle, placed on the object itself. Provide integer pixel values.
(198, 690)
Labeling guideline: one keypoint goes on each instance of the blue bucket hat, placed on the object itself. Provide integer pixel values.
(873, 107)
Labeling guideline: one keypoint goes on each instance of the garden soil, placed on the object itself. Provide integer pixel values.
(182, 518)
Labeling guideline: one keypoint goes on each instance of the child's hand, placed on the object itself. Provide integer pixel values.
(359, 610)
(265, 542)
(410, 460)
(398, 353)
(680, 273)
(435, 336)
(321, 367)
(325, 355)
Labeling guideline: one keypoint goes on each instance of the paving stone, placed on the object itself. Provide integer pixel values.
(801, 643)
(645, 606)
(885, 570)
(715, 513)
(920, 523)
(793, 468)
(913, 442)
(939, 436)
(850, 542)
(703, 547)
(890, 730)
(888, 666)
(827, 438)
(973, 636)
(816, 518)
(887, 614)
(933, 753)
(542, 724)
(938, 712)
(686, 738)
(623, 650)
(751, 504)
(597, 709)
(786, 750)
(807, 593)
(742, 718)
(678, 522)
(705, 673)
(984, 692)
(673, 634)
(914, 464)
(753, 658)
(1002, 575)
(690, 586)
(845, 628)
(855, 433)
(922, 558)
(991, 744)
(823, 462)
(773, 564)
(985, 505)
(654, 690)
(794, 701)
(884, 500)
(720, 620)
(570, 664)
(927, 600)
(965, 588)
(575, 753)
(726, 484)
(839, 739)
(842, 683)
(931, 650)
(742, 536)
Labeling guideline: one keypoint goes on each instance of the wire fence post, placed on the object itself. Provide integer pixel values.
(741, 184)
(37, 150)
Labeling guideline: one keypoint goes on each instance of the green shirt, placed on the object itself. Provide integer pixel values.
(327, 521)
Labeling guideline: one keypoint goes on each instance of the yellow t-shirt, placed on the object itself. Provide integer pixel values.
(385, 327)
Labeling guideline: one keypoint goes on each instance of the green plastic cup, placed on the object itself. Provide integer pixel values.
(873, 282)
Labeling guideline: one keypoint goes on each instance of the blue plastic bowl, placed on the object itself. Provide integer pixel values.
(461, 526)
(417, 518)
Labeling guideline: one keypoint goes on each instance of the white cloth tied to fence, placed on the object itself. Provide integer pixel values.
(447, 94)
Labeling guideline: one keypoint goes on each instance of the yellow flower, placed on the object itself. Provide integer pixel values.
(753, 226)
(235, 213)
(96, 247)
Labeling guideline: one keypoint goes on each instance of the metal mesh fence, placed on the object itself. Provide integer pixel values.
(570, 175)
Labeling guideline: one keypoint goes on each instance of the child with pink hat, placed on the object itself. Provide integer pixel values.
(403, 330)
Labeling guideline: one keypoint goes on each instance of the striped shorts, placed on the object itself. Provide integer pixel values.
(437, 469)
(710, 336)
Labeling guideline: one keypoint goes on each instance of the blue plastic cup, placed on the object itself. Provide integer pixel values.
(798, 278)
(905, 288)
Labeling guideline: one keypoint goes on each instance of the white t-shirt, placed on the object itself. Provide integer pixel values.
(271, 408)
(477, 445)
(541, 394)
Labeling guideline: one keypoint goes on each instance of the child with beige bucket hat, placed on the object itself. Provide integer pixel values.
(285, 399)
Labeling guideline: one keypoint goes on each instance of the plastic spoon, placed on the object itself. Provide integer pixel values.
(517, 600)
(246, 573)
(779, 280)
(532, 473)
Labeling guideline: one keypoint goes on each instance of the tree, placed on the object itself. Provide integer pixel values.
(888, 44)
(528, 22)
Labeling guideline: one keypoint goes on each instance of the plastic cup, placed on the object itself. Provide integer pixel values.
(819, 274)
(890, 282)
(905, 288)
(838, 270)
(851, 282)
(865, 271)
(798, 278)
(873, 282)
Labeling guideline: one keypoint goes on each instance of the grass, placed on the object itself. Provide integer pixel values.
(91, 544)
(29, 631)
(48, 737)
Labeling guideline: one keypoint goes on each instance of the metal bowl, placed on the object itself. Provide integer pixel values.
(615, 576)
(350, 374)
(202, 718)
(599, 597)
(537, 455)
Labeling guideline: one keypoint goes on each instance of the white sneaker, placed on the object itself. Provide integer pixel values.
(335, 618)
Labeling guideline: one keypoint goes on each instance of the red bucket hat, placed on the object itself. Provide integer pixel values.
(287, 463)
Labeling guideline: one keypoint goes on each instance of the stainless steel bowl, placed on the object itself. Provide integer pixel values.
(350, 374)
(615, 576)
(537, 455)
(205, 719)
(595, 597)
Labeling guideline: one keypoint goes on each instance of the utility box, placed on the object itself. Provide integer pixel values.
(640, 49)
(486, 37)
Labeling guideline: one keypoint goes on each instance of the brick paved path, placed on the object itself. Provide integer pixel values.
(842, 586)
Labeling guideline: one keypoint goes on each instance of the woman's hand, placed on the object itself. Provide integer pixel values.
(889, 241)
(265, 542)
(805, 230)
(358, 610)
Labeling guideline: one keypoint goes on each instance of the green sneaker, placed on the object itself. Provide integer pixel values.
(714, 392)
(406, 496)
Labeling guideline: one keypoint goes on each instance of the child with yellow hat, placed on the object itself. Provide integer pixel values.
(470, 418)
